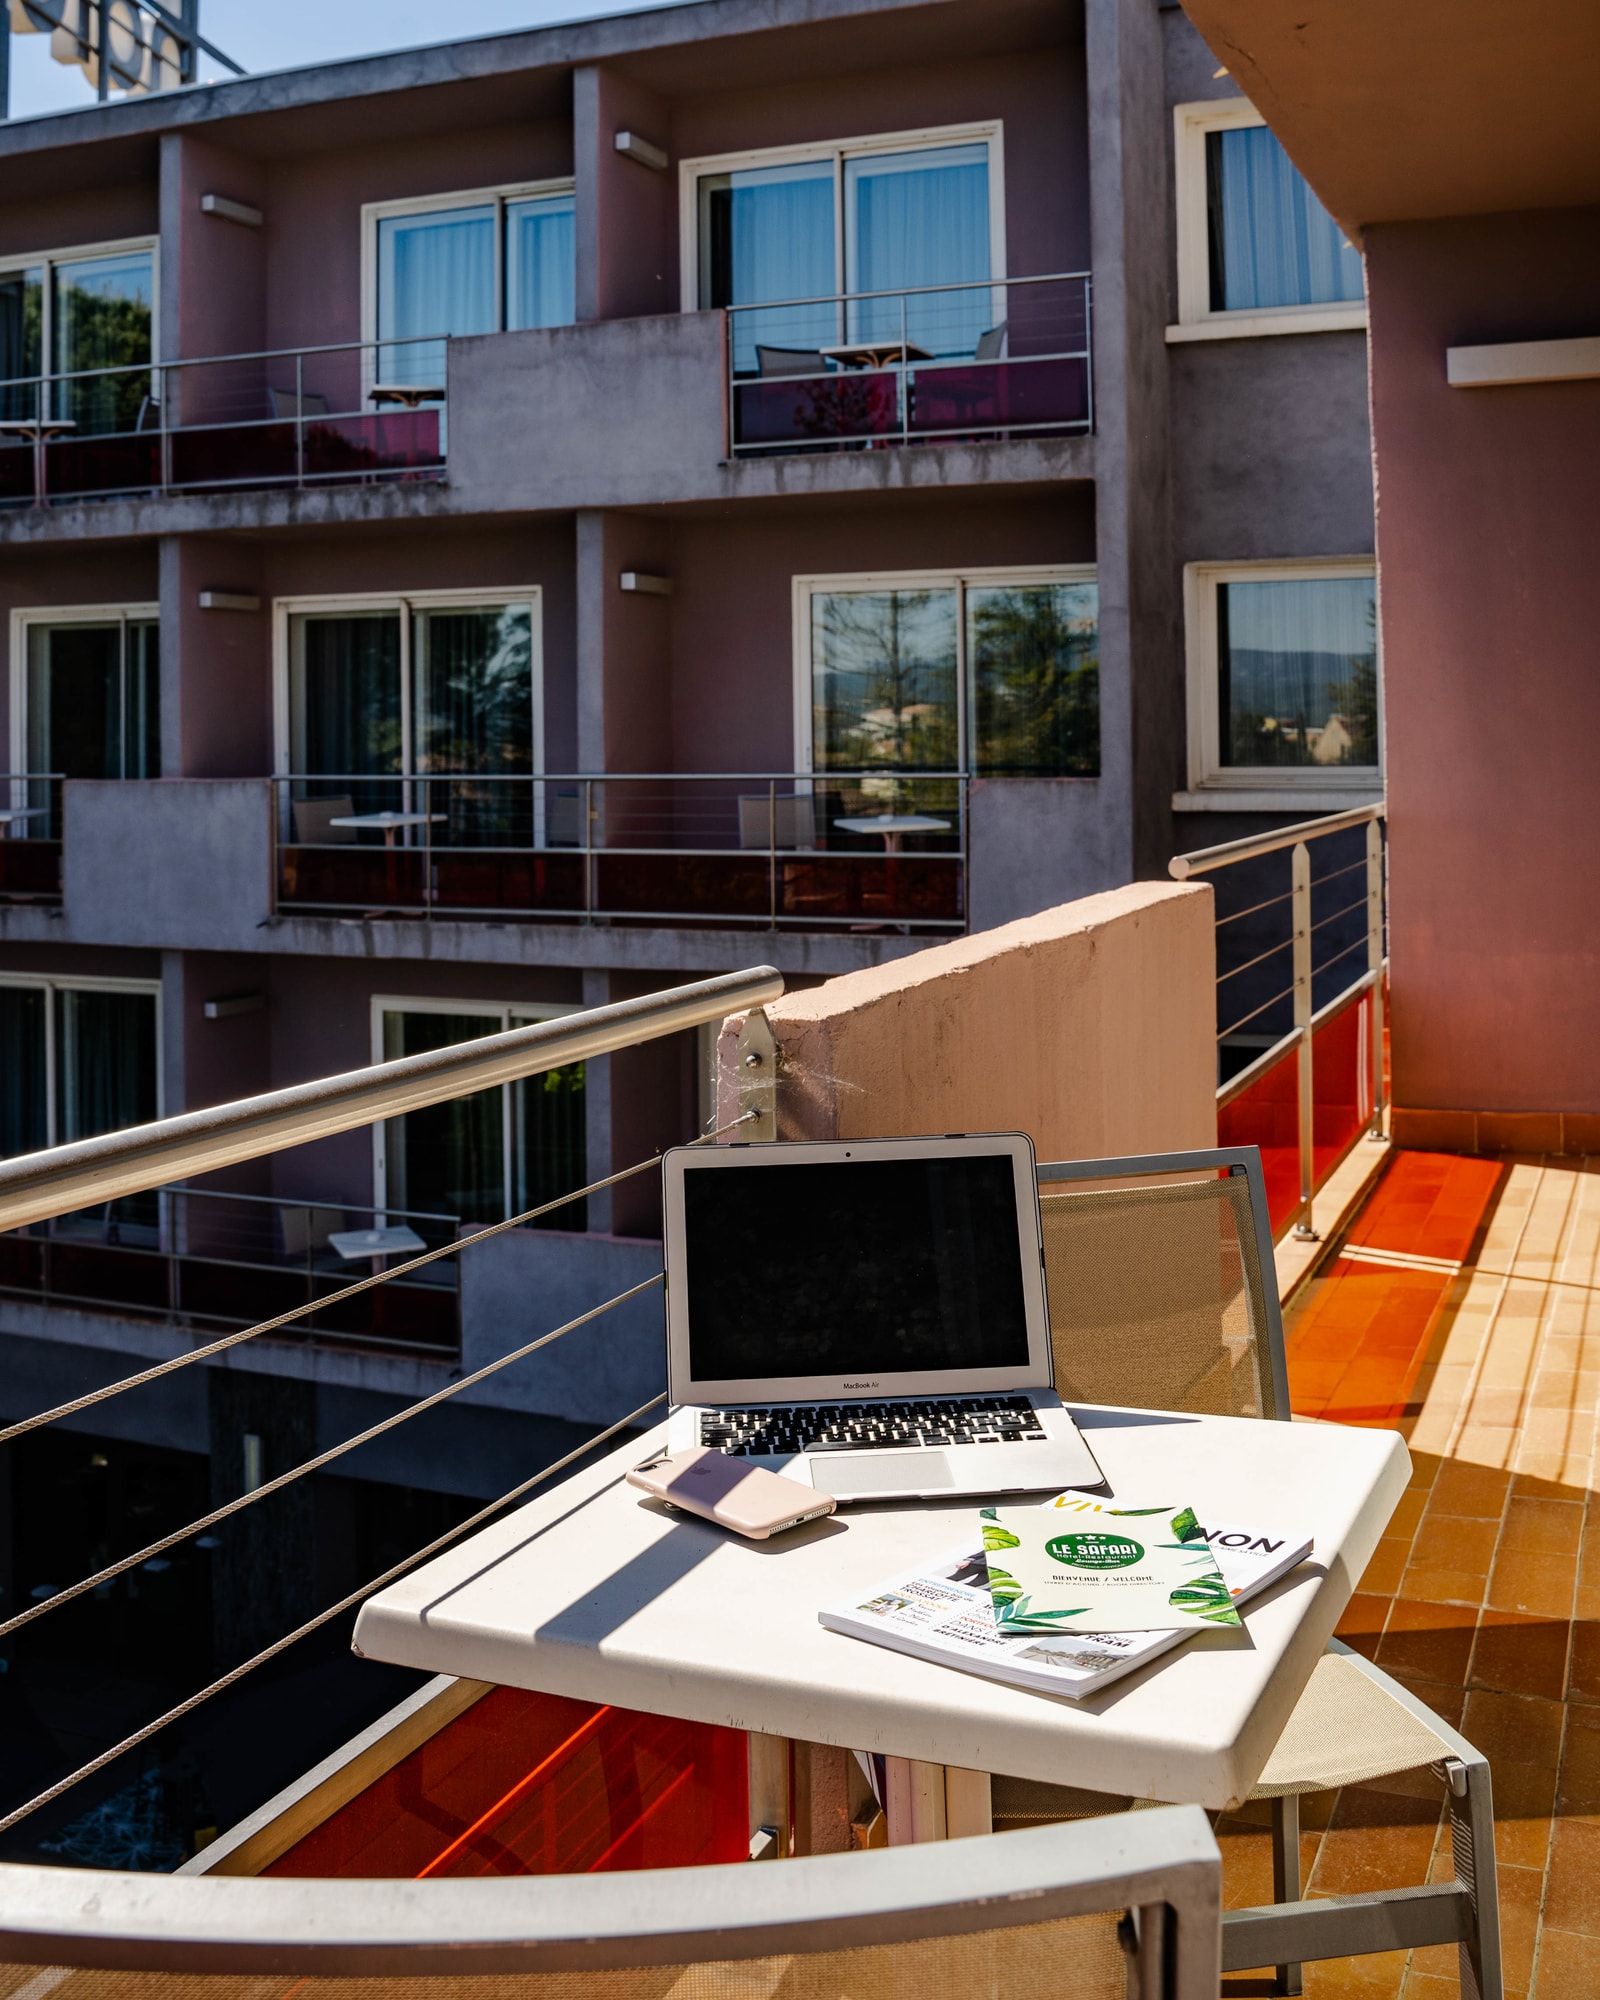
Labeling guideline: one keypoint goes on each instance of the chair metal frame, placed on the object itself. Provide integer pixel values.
(1291, 1930)
(1162, 1869)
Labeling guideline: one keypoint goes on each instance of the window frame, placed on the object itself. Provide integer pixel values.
(989, 132)
(83, 253)
(402, 604)
(51, 984)
(374, 212)
(512, 1014)
(22, 619)
(807, 587)
(1246, 787)
(1191, 124)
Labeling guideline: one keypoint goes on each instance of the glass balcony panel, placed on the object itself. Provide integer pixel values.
(1267, 1114)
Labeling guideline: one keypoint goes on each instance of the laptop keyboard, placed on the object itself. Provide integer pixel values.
(791, 1427)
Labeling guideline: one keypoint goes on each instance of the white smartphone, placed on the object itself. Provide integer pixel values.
(746, 1498)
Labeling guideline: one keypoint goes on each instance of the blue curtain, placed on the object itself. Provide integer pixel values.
(920, 219)
(540, 288)
(435, 276)
(1272, 243)
(768, 233)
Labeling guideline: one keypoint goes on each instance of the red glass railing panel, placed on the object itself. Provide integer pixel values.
(30, 869)
(119, 464)
(729, 885)
(352, 876)
(383, 441)
(403, 1313)
(21, 1264)
(859, 404)
(1267, 1114)
(1341, 1054)
(104, 1274)
(528, 1784)
(975, 397)
(515, 879)
(16, 471)
(234, 454)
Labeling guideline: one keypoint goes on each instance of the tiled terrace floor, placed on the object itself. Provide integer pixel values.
(1464, 1308)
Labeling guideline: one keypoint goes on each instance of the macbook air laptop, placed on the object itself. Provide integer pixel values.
(868, 1315)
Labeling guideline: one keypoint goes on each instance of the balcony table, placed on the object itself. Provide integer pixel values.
(874, 353)
(407, 395)
(11, 817)
(893, 826)
(593, 1592)
(38, 431)
(378, 1244)
(388, 824)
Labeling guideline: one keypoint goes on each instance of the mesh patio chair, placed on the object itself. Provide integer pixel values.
(779, 363)
(1129, 1913)
(313, 821)
(1163, 1293)
(790, 820)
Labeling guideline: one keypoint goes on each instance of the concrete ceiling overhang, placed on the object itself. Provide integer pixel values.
(1409, 110)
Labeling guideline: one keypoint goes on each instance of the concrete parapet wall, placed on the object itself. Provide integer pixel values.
(167, 860)
(1089, 1026)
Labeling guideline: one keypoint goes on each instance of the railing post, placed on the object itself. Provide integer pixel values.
(588, 850)
(41, 403)
(905, 377)
(1300, 920)
(772, 851)
(1375, 967)
(427, 848)
(1088, 351)
(300, 420)
(163, 407)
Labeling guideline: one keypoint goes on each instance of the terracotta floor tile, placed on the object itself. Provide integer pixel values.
(1520, 1654)
(1407, 1517)
(1444, 1542)
(1376, 1977)
(1361, 1622)
(1381, 1577)
(1572, 1883)
(1431, 1641)
(1541, 1586)
(1520, 1892)
(1477, 1492)
(1568, 1968)
(1583, 1677)
(1579, 1788)
(1443, 1586)
(1518, 1728)
(1524, 1798)
(1448, 1703)
(1542, 1527)
(1377, 1841)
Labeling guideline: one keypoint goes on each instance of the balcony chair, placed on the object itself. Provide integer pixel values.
(313, 821)
(1163, 1293)
(775, 363)
(1102, 1912)
(304, 1232)
(310, 403)
(991, 344)
(790, 820)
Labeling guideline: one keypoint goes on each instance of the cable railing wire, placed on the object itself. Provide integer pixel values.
(1245, 1019)
(1233, 971)
(347, 1603)
(1271, 902)
(1333, 916)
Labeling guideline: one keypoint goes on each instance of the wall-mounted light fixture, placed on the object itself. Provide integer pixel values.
(632, 147)
(231, 211)
(226, 1005)
(229, 600)
(647, 585)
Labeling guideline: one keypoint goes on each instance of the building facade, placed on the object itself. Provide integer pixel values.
(494, 529)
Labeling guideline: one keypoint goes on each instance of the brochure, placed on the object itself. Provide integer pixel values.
(942, 1611)
(1077, 1564)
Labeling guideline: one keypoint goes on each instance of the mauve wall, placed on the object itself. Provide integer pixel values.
(85, 215)
(732, 608)
(1488, 501)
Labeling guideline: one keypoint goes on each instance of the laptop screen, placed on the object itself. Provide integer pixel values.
(873, 1267)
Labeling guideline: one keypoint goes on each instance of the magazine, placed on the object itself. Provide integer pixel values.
(1081, 1565)
(942, 1611)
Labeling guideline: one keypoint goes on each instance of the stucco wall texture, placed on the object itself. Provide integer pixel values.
(1489, 602)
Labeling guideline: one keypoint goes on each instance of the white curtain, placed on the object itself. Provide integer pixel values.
(1272, 241)
(435, 276)
(920, 218)
(539, 262)
(768, 233)
(1298, 664)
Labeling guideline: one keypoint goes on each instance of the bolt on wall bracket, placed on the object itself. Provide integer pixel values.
(758, 1077)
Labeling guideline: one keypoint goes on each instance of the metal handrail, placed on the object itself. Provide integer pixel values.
(35, 1186)
(1203, 859)
(910, 291)
(215, 360)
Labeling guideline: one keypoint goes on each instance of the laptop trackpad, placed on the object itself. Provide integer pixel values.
(876, 1472)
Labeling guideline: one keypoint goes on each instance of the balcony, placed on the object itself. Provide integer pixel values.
(866, 370)
(774, 850)
(203, 1259)
(30, 838)
(293, 417)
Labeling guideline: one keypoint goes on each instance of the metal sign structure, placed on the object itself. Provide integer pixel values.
(123, 46)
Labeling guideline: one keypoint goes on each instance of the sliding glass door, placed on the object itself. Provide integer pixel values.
(497, 1153)
(76, 314)
(380, 696)
(850, 220)
(21, 342)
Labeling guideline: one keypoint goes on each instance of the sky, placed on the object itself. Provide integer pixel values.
(279, 34)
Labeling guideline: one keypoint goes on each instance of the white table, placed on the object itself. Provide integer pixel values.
(375, 1243)
(14, 816)
(592, 1592)
(387, 823)
(893, 826)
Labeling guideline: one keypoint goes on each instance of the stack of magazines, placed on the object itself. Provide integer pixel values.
(1064, 1598)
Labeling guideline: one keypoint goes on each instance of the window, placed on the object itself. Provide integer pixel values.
(88, 693)
(1257, 251)
(1283, 675)
(82, 1057)
(494, 1154)
(448, 684)
(995, 672)
(876, 215)
(61, 313)
(468, 263)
